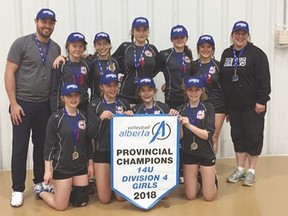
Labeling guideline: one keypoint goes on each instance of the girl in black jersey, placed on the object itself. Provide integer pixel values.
(76, 70)
(101, 62)
(136, 59)
(197, 120)
(100, 112)
(146, 89)
(176, 63)
(208, 69)
(67, 153)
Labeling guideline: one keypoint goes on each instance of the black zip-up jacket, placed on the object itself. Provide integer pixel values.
(100, 130)
(169, 63)
(59, 144)
(205, 119)
(212, 82)
(125, 57)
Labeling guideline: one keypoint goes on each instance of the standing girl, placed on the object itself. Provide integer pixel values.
(76, 70)
(176, 63)
(67, 153)
(136, 59)
(100, 112)
(208, 69)
(101, 62)
(197, 127)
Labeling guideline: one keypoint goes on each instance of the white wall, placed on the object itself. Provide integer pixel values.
(214, 17)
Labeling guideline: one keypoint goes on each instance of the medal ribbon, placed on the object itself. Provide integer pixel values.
(137, 63)
(192, 118)
(236, 59)
(43, 58)
(74, 127)
(181, 61)
(205, 74)
(101, 68)
(152, 109)
(109, 107)
(76, 74)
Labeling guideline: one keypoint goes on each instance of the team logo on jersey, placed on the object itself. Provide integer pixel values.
(242, 61)
(157, 112)
(112, 67)
(187, 60)
(148, 53)
(228, 62)
(82, 124)
(200, 114)
(212, 70)
(119, 110)
(83, 70)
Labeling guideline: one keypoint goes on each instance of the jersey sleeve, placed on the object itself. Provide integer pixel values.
(94, 120)
(119, 56)
(210, 120)
(51, 138)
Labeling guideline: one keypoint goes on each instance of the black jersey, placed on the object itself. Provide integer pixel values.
(146, 67)
(100, 130)
(76, 72)
(170, 63)
(59, 144)
(253, 85)
(205, 119)
(210, 74)
(158, 108)
(97, 68)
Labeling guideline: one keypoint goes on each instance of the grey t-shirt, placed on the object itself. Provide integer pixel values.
(33, 80)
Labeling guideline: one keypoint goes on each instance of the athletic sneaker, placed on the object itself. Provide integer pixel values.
(16, 199)
(249, 179)
(236, 176)
(40, 187)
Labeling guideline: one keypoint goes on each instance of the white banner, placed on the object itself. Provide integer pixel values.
(144, 157)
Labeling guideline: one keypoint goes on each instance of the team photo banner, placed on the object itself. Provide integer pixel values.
(144, 157)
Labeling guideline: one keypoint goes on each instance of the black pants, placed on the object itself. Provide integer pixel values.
(35, 120)
(247, 130)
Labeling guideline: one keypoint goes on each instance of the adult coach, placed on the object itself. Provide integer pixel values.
(27, 82)
(246, 83)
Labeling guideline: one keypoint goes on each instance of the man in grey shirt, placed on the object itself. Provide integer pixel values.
(27, 82)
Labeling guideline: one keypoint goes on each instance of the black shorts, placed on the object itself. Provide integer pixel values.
(102, 157)
(247, 129)
(58, 175)
(191, 159)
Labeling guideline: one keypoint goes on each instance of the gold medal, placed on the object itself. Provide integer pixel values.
(194, 146)
(75, 155)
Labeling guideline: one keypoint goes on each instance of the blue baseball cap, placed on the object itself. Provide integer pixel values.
(140, 21)
(102, 35)
(69, 88)
(76, 36)
(241, 25)
(146, 81)
(109, 77)
(194, 81)
(206, 38)
(46, 13)
(178, 30)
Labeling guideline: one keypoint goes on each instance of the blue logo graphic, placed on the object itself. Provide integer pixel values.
(163, 131)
